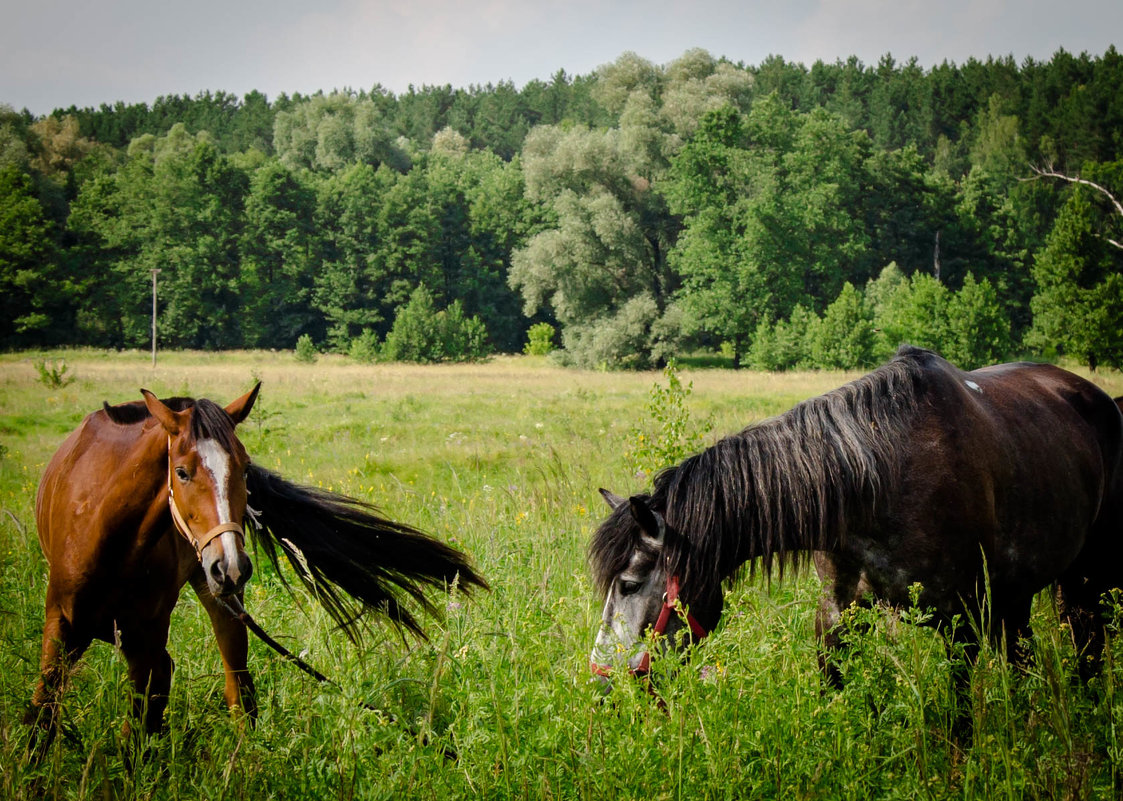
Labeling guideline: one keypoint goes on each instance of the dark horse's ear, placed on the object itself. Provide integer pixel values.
(650, 521)
(613, 500)
(173, 422)
(239, 409)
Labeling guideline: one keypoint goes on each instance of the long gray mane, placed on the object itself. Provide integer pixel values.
(779, 489)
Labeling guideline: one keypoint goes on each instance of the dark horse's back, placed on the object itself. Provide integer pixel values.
(1013, 476)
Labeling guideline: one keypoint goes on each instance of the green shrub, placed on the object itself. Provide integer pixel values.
(53, 373)
(979, 329)
(462, 339)
(422, 334)
(670, 434)
(783, 345)
(539, 340)
(364, 348)
(844, 337)
(305, 350)
(914, 312)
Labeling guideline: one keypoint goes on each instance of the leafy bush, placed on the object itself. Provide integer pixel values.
(627, 338)
(844, 338)
(675, 435)
(783, 345)
(53, 373)
(913, 312)
(539, 340)
(364, 348)
(969, 327)
(423, 334)
(305, 350)
(978, 327)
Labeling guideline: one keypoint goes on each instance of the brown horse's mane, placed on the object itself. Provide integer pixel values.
(778, 489)
(209, 420)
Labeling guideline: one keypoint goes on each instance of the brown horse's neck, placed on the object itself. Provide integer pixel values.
(135, 504)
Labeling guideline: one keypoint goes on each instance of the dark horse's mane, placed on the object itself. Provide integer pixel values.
(778, 489)
(351, 558)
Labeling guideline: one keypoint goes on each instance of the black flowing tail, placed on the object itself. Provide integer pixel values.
(349, 557)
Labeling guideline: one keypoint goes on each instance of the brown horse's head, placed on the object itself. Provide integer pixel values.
(207, 484)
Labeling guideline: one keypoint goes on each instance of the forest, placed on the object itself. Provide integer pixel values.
(779, 215)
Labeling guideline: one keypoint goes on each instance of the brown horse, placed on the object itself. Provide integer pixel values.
(1008, 478)
(143, 498)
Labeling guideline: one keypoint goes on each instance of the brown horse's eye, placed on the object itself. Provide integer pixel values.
(181, 474)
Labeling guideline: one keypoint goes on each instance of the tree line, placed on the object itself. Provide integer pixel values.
(784, 215)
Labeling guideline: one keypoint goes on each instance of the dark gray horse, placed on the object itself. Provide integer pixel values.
(915, 473)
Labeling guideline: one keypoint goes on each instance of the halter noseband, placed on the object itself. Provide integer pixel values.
(670, 607)
(200, 543)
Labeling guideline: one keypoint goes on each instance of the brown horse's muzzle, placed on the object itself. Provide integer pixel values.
(227, 569)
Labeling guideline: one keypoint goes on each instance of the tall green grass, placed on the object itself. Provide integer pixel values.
(504, 459)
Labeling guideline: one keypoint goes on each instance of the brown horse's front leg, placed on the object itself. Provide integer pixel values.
(233, 645)
(150, 670)
(62, 647)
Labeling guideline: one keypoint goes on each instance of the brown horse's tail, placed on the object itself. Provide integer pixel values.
(349, 557)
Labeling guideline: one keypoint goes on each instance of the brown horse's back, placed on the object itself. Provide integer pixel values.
(98, 501)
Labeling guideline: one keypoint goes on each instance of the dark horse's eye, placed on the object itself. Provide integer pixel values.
(629, 587)
(181, 474)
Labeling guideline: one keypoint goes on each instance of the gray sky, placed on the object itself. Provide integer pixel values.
(54, 53)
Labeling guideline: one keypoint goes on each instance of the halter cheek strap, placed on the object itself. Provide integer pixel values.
(200, 543)
(670, 607)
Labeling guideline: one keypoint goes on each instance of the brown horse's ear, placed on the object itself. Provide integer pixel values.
(173, 422)
(650, 522)
(239, 409)
(613, 500)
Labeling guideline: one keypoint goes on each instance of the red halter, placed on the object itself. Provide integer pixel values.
(670, 607)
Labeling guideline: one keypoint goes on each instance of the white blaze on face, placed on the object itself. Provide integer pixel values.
(623, 621)
(216, 461)
(608, 637)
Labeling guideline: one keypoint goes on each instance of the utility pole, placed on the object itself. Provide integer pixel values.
(154, 274)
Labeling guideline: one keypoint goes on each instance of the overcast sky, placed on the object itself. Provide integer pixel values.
(54, 53)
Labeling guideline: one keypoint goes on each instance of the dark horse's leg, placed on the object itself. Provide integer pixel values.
(1079, 605)
(62, 646)
(1081, 588)
(233, 645)
(842, 585)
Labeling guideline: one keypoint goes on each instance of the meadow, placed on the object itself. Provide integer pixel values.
(503, 459)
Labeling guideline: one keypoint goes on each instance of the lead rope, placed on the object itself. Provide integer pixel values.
(234, 607)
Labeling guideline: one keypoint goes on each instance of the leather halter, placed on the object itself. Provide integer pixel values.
(670, 607)
(199, 544)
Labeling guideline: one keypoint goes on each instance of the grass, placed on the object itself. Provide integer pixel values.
(504, 459)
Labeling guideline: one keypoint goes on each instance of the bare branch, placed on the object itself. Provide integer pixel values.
(1078, 180)
(1051, 173)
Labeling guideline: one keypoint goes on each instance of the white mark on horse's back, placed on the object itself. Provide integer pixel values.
(217, 462)
(974, 386)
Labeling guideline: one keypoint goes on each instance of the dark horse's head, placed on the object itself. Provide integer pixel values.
(206, 479)
(635, 559)
(776, 491)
